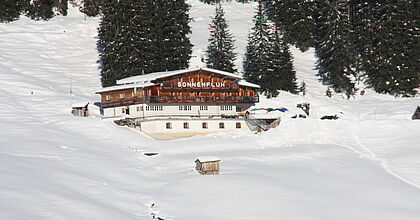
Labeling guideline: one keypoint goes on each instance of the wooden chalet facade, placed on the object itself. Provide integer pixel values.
(200, 93)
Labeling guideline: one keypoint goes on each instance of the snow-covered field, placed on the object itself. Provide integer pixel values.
(366, 165)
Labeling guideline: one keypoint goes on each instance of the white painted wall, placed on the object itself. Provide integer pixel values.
(158, 130)
(166, 109)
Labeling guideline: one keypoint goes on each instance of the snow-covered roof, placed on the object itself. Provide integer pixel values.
(204, 159)
(127, 86)
(157, 75)
(245, 83)
(80, 104)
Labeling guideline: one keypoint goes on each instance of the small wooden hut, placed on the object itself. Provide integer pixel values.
(416, 114)
(80, 109)
(207, 165)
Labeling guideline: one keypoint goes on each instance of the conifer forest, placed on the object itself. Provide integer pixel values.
(374, 42)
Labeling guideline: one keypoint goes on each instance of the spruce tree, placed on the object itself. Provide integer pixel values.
(388, 44)
(139, 37)
(295, 20)
(220, 53)
(171, 29)
(280, 74)
(45, 9)
(268, 61)
(41, 10)
(334, 47)
(257, 49)
(10, 10)
(91, 7)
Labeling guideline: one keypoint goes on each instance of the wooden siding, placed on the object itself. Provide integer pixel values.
(207, 168)
(167, 90)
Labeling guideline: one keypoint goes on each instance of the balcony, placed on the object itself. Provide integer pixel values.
(181, 99)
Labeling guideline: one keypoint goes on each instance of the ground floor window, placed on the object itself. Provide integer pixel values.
(238, 124)
(221, 125)
(168, 125)
(186, 125)
(205, 125)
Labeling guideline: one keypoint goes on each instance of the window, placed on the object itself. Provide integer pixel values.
(160, 108)
(204, 108)
(238, 109)
(123, 110)
(186, 125)
(238, 124)
(108, 97)
(205, 125)
(168, 125)
(221, 125)
(147, 108)
(185, 107)
(139, 108)
(122, 95)
(226, 108)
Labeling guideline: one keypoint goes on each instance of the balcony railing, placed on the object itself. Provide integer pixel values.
(181, 99)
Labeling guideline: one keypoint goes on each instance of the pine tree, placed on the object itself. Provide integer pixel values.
(280, 74)
(388, 44)
(41, 10)
(91, 7)
(257, 49)
(295, 20)
(268, 61)
(45, 9)
(10, 10)
(220, 53)
(334, 47)
(172, 43)
(139, 37)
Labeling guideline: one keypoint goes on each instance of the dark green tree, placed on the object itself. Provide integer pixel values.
(10, 10)
(45, 9)
(139, 37)
(219, 52)
(280, 74)
(334, 46)
(268, 61)
(294, 18)
(258, 49)
(91, 7)
(387, 41)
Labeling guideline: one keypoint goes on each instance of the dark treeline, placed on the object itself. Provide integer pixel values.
(370, 41)
(374, 41)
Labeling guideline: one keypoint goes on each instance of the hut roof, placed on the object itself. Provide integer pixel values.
(207, 159)
(154, 76)
(80, 104)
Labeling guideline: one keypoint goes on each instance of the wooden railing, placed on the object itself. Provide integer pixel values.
(181, 99)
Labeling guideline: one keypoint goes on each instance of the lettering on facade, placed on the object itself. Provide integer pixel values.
(201, 84)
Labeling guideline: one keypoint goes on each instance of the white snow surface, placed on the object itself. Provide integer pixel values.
(365, 165)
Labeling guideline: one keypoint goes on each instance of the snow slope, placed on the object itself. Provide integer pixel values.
(55, 166)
